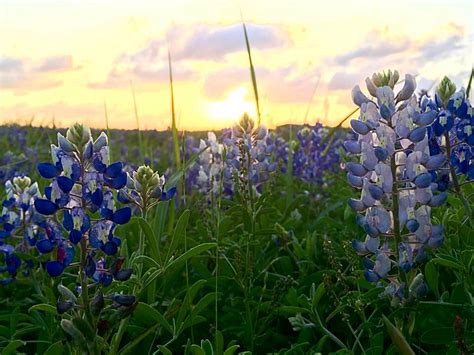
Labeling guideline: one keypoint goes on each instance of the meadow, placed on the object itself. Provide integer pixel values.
(298, 240)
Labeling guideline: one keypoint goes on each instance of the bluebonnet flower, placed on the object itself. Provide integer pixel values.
(83, 182)
(205, 174)
(16, 223)
(395, 176)
(312, 158)
(144, 189)
(248, 153)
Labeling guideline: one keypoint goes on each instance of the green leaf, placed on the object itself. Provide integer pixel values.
(431, 277)
(85, 328)
(149, 315)
(207, 347)
(198, 249)
(448, 263)
(188, 299)
(43, 307)
(179, 233)
(152, 241)
(320, 291)
(397, 338)
(231, 350)
(441, 336)
(12, 346)
(165, 350)
(55, 349)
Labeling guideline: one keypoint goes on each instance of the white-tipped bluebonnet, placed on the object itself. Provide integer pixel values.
(395, 172)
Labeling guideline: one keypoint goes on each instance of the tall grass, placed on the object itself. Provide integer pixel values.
(252, 69)
(137, 120)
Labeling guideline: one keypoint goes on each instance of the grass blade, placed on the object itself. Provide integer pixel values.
(252, 69)
(140, 142)
(173, 116)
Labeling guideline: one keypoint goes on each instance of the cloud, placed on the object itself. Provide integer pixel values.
(24, 75)
(343, 80)
(202, 42)
(376, 44)
(283, 84)
(56, 63)
(387, 46)
(120, 76)
(210, 43)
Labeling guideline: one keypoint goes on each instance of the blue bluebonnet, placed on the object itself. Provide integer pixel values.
(395, 175)
(314, 155)
(16, 227)
(452, 129)
(83, 182)
(248, 153)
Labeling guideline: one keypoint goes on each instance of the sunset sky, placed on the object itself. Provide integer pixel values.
(66, 59)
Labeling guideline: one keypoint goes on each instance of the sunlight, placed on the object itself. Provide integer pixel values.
(232, 107)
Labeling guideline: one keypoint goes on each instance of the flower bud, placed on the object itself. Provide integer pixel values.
(408, 88)
(78, 135)
(445, 90)
(64, 144)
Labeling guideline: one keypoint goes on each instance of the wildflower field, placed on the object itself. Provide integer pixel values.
(297, 240)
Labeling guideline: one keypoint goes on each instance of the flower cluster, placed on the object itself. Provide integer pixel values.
(452, 131)
(247, 153)
(81, 201)
(144, 189)
(17, 225)
(312, 156)
(206, 172)
(394, 174)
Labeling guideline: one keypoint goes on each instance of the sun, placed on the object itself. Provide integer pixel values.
(233, 107)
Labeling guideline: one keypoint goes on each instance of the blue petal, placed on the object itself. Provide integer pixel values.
(75, 236)
(355, 181)
(417, 135)
(123, 275)
(90, 266)
(122, 215)
(426, 118)
(47, 170)
(356, 169)
(352, 146)
(356, 205)
(67, 221)
(371, 276)
(412, 225)
(98, 165)
(423, 180)
(45, 207)
(65, 184)
(381, 153)
(438, 200)
(124, 300)
(97, 197)
(435, 161)
(54, 268)
(360, 127)
(169, 194)
(376, 192)
(118, 182)
(109, 248)
(114, 170)
(44, 246)
(88, 150)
